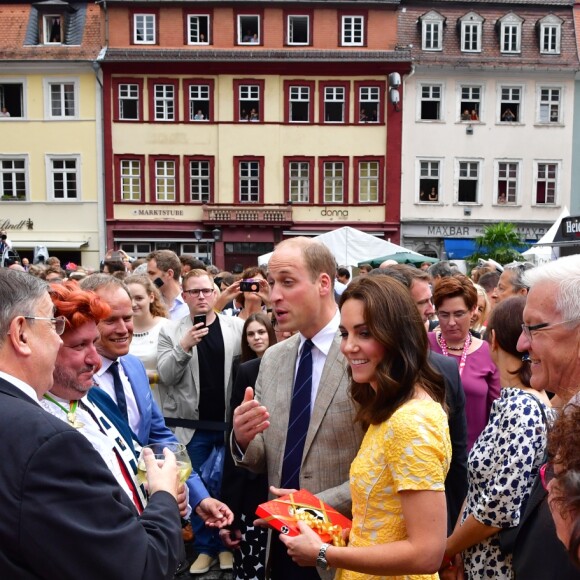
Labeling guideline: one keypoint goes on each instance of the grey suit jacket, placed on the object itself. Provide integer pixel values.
(179, 370)
(333, 439)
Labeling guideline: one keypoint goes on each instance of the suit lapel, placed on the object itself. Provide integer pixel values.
(193, 368)
(281, 383)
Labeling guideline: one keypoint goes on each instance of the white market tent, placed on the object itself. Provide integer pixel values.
(542, 251)
(351, 246)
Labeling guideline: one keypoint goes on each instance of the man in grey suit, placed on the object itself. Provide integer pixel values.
(301, 275)
(195, 364)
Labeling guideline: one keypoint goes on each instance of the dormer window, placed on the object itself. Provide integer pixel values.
(550, 31)
(432, 31)
(471, 26)
(53, 29)
(54, 22)
(511, 34)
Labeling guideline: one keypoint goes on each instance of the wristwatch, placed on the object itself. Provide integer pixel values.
(321, 560)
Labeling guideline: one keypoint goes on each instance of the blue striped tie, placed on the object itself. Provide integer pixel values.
(299, 420)
(119, 391)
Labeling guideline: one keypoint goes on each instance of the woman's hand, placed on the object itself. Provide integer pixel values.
(453, 570)
(264, 292)
(227, 296)
(303, 549)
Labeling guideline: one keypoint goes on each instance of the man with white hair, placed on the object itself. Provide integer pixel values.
(551, 337)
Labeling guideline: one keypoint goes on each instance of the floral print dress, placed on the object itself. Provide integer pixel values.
(502, 466)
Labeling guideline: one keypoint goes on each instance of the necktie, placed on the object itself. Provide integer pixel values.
(119, 391)
(299, 420)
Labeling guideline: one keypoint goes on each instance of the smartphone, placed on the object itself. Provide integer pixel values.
(199, 318)
(249, 286)
(158, 282)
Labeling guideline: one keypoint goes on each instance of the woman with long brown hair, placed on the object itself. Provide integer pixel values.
(397, 479)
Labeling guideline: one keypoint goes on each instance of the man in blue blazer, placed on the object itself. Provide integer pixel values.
(63, 513)
(128, 385)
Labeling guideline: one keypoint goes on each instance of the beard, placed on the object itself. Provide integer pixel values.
(67, 384)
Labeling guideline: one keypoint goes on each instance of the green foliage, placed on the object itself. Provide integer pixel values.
(498, 242)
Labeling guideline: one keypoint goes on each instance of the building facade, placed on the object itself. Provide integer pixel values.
(488, 120)
(50, 122)
(229, 127)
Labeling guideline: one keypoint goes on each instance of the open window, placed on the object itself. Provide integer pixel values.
(11, 100)
(249, 29)
(510, 105)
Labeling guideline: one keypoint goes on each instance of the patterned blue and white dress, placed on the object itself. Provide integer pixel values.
(502, 466)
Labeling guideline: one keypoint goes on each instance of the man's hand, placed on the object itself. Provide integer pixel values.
(182, 500)
(214, 513)
(162, 477)
(303, 549)
(250, 418)
(231, 539)
(193, 336)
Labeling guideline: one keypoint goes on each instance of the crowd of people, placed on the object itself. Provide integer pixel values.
(438, 411)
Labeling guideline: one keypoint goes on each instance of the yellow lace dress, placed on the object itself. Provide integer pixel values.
(409, 451)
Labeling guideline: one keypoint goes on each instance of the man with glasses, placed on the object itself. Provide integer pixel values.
(551, 337)
(194, 362)
(63, 513)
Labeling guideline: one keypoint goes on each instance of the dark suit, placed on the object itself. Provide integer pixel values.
(63, 514)
(243, 490)
(538, 553)
(456, 480)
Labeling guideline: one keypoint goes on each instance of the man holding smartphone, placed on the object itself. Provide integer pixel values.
(194, 362)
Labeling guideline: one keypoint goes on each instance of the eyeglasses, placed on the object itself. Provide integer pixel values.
(58, 323)
(527, 330)
(457, 315)
(547, 473)
(198, 291)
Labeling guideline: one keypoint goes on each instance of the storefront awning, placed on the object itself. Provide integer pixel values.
(459, 249)
(54, 245)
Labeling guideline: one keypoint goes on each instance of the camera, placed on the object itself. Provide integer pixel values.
(158, 282)
(249, 286)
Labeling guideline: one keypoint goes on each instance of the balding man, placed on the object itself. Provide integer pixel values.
(63, 513)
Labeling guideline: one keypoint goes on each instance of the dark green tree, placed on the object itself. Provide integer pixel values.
(500, 242)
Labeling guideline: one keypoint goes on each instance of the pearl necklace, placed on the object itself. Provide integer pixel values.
(445, 349)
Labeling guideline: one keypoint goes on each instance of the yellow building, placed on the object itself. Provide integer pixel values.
(50, 127)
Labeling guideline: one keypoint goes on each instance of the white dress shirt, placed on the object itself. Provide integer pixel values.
(322, 342)
(104, 380)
